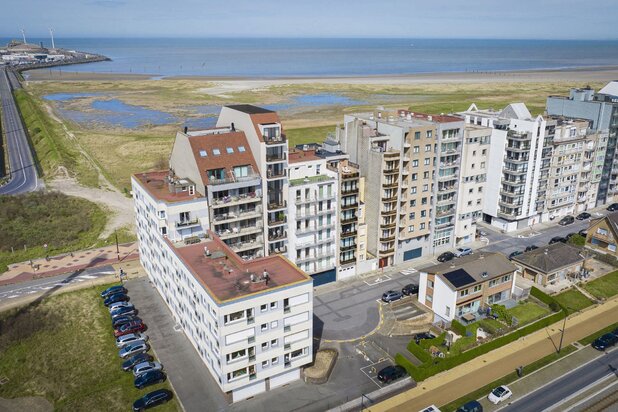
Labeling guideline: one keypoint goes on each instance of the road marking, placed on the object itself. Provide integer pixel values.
(586, 399)
(579, 392)
(12, 296)
(378, 280)
(60, 284)
(407, 272)
(87, 277)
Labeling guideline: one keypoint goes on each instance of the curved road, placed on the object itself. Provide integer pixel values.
(23, 177)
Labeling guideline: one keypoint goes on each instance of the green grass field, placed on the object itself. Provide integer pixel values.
(573, 300)
(306, 135)
(528, 312)
(604, 287)
(62, 222)
(63, 349)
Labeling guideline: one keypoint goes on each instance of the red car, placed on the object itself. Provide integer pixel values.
(131, 327)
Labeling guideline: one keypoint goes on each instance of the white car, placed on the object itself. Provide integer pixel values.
(463, 251)
(119, 305)
(144, 367)
(125, 340)
(499, 394)
(431, 408)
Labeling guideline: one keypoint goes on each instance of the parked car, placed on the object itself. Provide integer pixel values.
(118, 297)
(146, 367)
(123, 320)
(391, 373)
(583, 232)
(583, 216)
(531, 248)
(410, 289)
(152, 399)
(391, 296)
(606, 341)
(119, 305)
(130, 327)
(112, 290)
(423, 335)
(499, 394)
(125, 340)
(446, 256)
(149, 378)
(133, 349)
(557, 239)
(135, 360)
(472, 406)
(516, 253)
(431, 408)
(567, 220)
(613, 207)
(123, 311)
(463, 251)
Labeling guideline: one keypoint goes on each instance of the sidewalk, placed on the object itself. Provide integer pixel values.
(459, 381)
(69, 262)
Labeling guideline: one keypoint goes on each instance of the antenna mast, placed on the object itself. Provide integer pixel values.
(51, 32)
(23, 34)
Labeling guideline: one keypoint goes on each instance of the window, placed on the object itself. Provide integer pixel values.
(429, 133)
(411, 228)
(427, 161)
(263, 308)
(477, 288)
(274, 343)
(265, 364)
(428, 148)
(416, 149)
(273, 305)
(424, 201)
(274, 361)
(242, 171)
(216, 152)
(412, 215)
(415, 163)
(430, 284)
(231, 357)
(428, 298)
(463, 293)
(203, 153)
(413, 202)
(229, 150)
(447, 311)
(422, 226)
(274, 324)
(264, 327)
(425, 187)
(241, 149)
(264, 345)
(602, 232)
(417, 135)
(425, 175)
(423, 213)
(474, 153)
(414, 176)
(413, 189)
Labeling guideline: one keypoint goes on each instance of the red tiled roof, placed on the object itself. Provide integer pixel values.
(297, 156)
(224, 160)
(264, 118)
(156, 184)
(226, 276)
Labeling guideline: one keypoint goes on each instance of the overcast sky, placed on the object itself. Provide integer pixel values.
(515, 19)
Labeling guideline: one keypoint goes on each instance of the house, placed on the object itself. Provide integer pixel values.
(550, 263)
(603, 234)
(466, 286)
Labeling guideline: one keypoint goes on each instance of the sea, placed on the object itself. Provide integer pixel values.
(322, 57)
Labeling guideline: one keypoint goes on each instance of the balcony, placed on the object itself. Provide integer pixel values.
(245, 246)
(277, 250)
(447, 177)
(385, 252)
(310, 179)
(349, 206)
(276, 157)
(278, 235)
(276, 205)
(347, 247)
(311, 229)
(447, 201)
(388, 225)
(347, 220)
(187, 223)
(215, 181)
(278, 220)
(233, 217)
(391, 184)
(443, 225)
(228, 201)
(272, 174)
(391, 171)
(281, 139)
(349, 191)
(348, 233)
(315, 256)
(235, 232)
(446, 189)
(388, 238)
(389, 212)
(517, 160)
(441, 213)
(347, 260)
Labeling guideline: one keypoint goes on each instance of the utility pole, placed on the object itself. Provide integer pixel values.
(562, 333)
(117, 248)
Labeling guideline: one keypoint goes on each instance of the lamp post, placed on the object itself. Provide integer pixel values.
(117, 248)
(562, 331)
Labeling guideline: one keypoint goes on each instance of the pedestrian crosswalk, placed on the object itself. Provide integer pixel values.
(407, 272)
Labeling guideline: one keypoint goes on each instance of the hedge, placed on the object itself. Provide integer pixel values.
(405, 363)
(418, 352)
(458, 328)
(433, 366)
(437, 341)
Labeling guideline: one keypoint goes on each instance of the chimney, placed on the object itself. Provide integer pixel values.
(206, 251)
(233, 128)
(379, 115)
(186, 129)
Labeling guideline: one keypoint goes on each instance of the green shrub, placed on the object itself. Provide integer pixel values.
(577, 240)
(418, 352)
(412, 370)
(437, 341)
(458, 328)
(503, 313)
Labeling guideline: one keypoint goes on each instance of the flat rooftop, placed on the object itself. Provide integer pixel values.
(157, 185)
(227, 277)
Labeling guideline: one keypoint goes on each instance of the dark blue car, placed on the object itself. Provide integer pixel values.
(149, 378)
(605, 341)
(112, 290)
(118, 297)
(472, 406)
(152, 399)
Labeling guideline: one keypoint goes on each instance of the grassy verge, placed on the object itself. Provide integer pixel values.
(604, 287)
(591, 338)
(63, 349)
(573, 300)
(306, 135)
(62, 222)
(511, 377)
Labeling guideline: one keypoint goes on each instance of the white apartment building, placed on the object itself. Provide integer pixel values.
(313, 215)
(473, 179)
(516, 151)
(251, 321)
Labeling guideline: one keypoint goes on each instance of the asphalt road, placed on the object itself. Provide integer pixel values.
(23, 177)
(550, 396)
(19, 290)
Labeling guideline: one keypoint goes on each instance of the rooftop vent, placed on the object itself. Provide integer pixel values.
(370, 117)
(484, 275)
(379, 115)
(409, 116)
(206, 251)
(430, 118)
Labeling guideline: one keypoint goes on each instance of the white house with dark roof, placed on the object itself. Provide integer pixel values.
(550, 263)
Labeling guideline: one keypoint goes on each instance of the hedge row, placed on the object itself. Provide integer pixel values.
(437, 341)
(418, 352)
(458, 328)
(436, 365)
(403, 361)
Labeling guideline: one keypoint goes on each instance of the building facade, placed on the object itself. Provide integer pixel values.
(602, 234)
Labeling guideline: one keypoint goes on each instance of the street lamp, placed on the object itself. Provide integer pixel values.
(117, 248)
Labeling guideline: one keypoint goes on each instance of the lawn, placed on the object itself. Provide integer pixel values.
(63, 349)
(527, 312)
(604, 287)
(62, 222)
(573, 300)
(308, 135)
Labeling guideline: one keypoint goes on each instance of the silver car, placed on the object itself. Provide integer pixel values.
(133, 349)
(119, 305)
(144, 367)
(125, 340)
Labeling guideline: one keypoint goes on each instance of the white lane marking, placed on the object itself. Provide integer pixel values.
(87, 277)
(586, 399)
(12, 296)
(579, 392)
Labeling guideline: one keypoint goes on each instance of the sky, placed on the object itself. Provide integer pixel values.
(514, 19)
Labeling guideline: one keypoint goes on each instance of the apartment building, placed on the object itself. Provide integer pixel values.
(516, 151)
(472, 184)
(313, 211)
(249, 320)
(601, 109)
(575, 158)
(268, 145)
(464, 288)
(410, 161)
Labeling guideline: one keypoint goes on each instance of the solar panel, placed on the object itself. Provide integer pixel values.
(459, 278)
